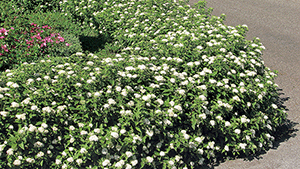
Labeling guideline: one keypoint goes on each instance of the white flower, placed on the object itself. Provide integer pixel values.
(149, 133)
(203, 116)
(149, 159)
(4, 113)
(78, 84)
(119, 163)
(134, 162)
(235, 91)
(83, 150)
(40, 154)
(17, 162)
(171, 162)
(190, 64)
(202, 97)
(10, 151)
(57, 162)
(244, 119)
(47, 109)
(90, 63)
(243, 145)
(72, 128)
(128, 154)
(21, 116)
(274, 106)
(162, 153)
(211, 144)
(97, 94)
(237, 131)
(260, 85)
(212, 122)
(236, 98)
(79, 161)
(186, 136)
(30, 160)
(114, 134)
(172, 80)
(14, 104)
(111, 101)
(226, 148)
(137, 95)
(15, 85)
(64, 166)
(93, 138)
(159, 78)
(83, 132)
(203, 87)
(160, 101)
(178, 107)
(181, 91)
(9, 83)
(199, 47)
(146, 97)
(199, 139)
(142, 67)
(122, 131)
(212, 81)
(223, 50)
(106, 162)
(70, 159)
(227, 123)
(38, 144)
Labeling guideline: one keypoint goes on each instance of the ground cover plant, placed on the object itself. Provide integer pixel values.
(181, 90)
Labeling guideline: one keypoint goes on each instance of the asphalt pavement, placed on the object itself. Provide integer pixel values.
(277, 24)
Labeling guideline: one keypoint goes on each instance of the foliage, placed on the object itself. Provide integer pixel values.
(35, 6)
(73, 45)
(182, 90)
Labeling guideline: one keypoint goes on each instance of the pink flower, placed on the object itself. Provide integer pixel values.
(12, 28)
(67, 44)
(4, 47)
(2, 37)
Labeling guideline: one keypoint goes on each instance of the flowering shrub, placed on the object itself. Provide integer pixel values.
(183, 91)
(26, 43)
(37, 5)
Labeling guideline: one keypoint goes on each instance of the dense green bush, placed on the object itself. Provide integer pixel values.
(73, 45)
(35, 6)
(183, 91)
(90, 39)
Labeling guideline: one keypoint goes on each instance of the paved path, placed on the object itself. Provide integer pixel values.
(277, 24)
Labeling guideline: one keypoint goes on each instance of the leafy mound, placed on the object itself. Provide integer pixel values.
(184, 90)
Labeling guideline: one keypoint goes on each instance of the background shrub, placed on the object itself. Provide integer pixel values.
(74, 45)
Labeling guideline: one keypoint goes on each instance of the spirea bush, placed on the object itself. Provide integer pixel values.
(183, 91)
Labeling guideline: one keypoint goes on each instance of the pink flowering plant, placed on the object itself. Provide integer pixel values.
(27, 43)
